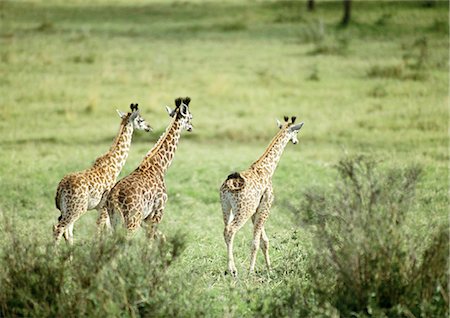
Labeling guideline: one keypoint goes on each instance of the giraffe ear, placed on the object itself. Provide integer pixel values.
(296, 127)
(134, 114)
(279, 124)
(184, 110)
(121, 115)
(170, 111)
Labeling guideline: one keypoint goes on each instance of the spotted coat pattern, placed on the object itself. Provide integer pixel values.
(249, 194)
(140, 198)
(82, 191)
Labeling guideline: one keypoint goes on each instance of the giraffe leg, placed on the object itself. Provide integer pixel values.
(72, 208)
(229, 234)
(152, 232)
(70, 220)
(255, 244)
(103, 216)
(226, 210)
(58, 231)
(259, 234)
(64, 227)
(69, 233)
(133, 222)
(155, 218)
(264, 244)
(265, 248)
(150, 229)
(103, 221)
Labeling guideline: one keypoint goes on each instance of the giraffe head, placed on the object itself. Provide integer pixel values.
(182, 112)
(135, 118)
(290, 129)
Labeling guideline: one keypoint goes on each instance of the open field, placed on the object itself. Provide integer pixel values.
(378, 87)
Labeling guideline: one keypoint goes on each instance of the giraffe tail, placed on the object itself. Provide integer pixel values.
(234, 182)
(57, 200)
(60, 194)
(102, 203)
(115, 218)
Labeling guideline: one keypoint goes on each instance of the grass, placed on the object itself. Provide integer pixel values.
(379, 86)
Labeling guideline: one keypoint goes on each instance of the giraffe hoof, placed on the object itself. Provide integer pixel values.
(232, 272)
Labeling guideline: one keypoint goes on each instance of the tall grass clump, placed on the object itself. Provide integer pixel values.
(415, 63)
(370, 254)
(366, 260)
(325, 42)
(111, 276)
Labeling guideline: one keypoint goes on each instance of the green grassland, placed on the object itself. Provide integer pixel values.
(378, 86)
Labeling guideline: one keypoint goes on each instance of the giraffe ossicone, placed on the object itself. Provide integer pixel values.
(248, 194)
(82, 191)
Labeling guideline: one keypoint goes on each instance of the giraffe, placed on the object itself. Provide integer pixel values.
(249, 194)
(82, 191)
(140, 198)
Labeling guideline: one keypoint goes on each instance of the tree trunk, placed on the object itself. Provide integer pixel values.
(311, 5)
(347, 11)
(429, 3)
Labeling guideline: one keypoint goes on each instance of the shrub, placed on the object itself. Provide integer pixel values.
(314, 75)
(105, 277)
(378, 91)
(313, 32)
(45, 26)
(331, 46)
(374, 262)
(414, 65)
(365, 260)
(325, 43)
(384, 19)
(386, 71)
(416, 56)
(440, 26)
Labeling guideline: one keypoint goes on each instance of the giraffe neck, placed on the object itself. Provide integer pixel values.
(163, 152)
(265, 166)
(118, 152)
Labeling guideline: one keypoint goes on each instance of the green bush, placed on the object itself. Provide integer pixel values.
(365, 260)
(107, 277)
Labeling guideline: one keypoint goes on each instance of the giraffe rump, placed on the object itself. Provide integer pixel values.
(234, 182)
